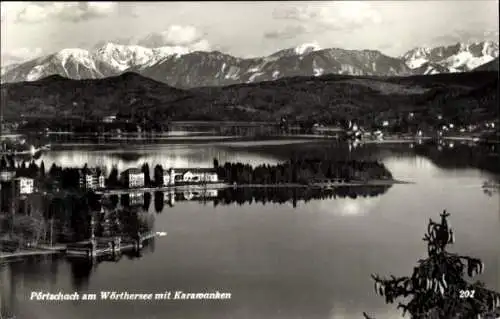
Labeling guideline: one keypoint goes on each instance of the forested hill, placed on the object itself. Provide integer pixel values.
(460, 97)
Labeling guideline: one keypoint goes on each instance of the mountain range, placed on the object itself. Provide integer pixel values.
(183, 68)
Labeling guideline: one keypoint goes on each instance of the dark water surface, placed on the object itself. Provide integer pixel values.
(277, 261)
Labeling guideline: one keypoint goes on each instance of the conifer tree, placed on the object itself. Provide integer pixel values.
(438, 287)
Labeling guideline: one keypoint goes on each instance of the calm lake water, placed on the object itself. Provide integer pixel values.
(277, 261)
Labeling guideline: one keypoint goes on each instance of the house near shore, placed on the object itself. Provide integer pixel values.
(132, 178)
(24, 185)
(91, 179)
(190, 175)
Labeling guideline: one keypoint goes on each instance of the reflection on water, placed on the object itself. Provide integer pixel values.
(48, 219)
(461, 156)
(278, 195)
(282, 253)
(165, 155)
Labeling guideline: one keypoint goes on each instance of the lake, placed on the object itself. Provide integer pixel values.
(313, 260)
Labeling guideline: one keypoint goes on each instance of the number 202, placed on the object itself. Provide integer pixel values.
(467, 293)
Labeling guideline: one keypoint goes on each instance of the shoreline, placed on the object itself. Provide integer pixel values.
(237, 140)
(474, 139)
(325, 185)
(42, 250)
(227, 185)
(396, 140)
(29, 253)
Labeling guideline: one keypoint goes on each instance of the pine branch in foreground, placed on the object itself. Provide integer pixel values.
(438, 287)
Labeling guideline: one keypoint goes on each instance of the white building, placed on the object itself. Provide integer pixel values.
(109, 119)
(24, 185)
(133, 178)
(190, 175)
(91, 179)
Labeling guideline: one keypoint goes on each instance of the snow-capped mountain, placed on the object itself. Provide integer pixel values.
(300, 50)
(215, 68)
(182, 67)
(70, 63)
(178, 66)
(454, 58)
(108, 60)
(124, 57)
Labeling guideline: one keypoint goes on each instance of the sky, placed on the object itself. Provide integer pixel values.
(244, 28)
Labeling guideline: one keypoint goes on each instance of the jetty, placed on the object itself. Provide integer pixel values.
(93, 247)
(103, 246)
(28, 253)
